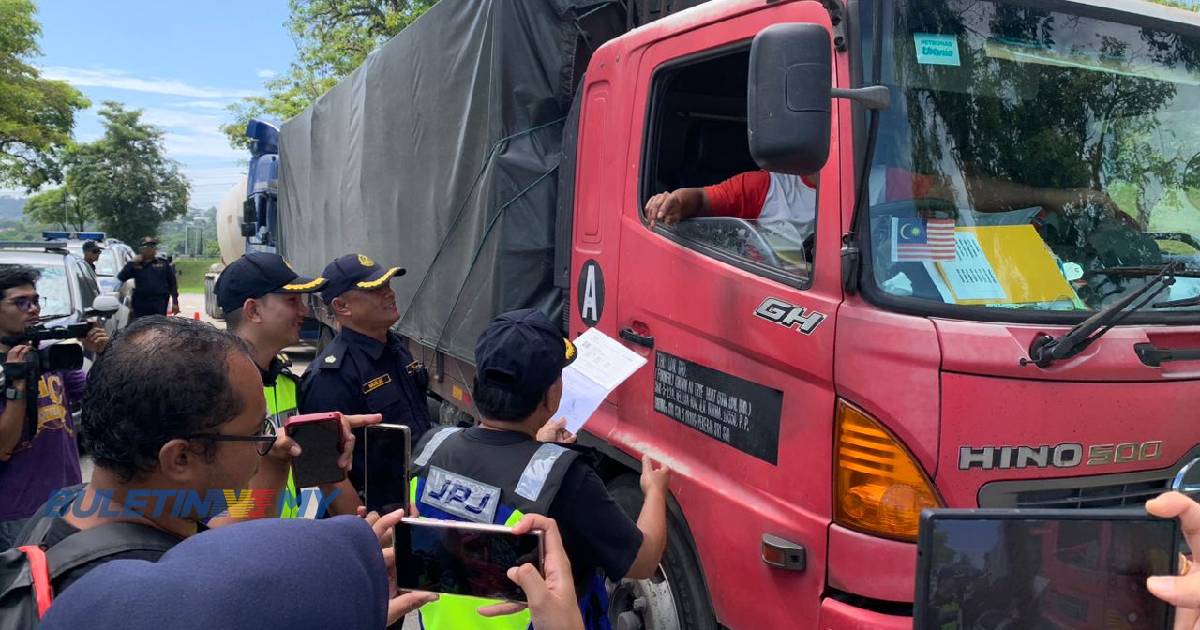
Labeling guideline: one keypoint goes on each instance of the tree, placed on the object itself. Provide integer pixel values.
(36, 115)
(125, 177)
(59, 206)
(332, 37)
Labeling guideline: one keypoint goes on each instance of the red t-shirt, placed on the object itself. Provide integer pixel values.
(742, 195)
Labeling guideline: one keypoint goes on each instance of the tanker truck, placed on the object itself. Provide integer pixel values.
(229, 240)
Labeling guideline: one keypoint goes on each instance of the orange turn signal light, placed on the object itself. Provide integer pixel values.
(879, 488)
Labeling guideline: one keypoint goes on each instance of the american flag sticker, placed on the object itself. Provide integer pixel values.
(921, 240)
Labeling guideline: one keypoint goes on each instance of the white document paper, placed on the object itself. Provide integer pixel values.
(971, 276)
(601, 365)
(581, 398)
(604, 360)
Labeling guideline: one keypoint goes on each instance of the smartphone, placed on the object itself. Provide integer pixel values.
(461, 558)
(320, 438)
(1015, 568)
(388, 452)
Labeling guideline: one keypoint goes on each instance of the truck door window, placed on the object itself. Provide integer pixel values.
(696, 148)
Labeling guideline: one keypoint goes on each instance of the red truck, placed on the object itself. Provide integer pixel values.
(987, 294)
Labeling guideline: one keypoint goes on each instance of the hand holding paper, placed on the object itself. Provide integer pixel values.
(602, 365)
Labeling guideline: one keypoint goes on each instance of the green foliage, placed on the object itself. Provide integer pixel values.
(60, 207)
(36, 115)
(332, 37)
(125, 177)
(191, 273)
(1190, 5)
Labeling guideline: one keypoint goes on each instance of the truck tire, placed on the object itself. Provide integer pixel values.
(676, 598)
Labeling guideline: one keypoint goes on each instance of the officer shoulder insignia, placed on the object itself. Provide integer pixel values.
(284, 360)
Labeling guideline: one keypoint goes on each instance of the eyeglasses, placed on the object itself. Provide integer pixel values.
(27, 303)
(265, 437)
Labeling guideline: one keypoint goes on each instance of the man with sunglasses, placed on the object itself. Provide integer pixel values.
(38, 451)
(154, 281)
(165, 435)
(366, 368)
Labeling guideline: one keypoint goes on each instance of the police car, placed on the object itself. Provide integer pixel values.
(113, 256)
(68, 287)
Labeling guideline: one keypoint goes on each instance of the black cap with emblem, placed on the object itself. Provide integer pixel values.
(355, 271)
(256, 274)
(522, 352)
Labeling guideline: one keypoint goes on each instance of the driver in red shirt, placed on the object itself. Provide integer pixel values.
(755, 195)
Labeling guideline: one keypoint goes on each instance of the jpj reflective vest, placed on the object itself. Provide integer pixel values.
(281, 405)
(457, 480)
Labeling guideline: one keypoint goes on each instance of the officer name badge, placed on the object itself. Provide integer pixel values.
(376, 383)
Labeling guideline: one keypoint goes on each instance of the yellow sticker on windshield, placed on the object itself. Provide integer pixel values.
(1008, 265)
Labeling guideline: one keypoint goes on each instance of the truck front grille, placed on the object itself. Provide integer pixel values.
(1098, 491)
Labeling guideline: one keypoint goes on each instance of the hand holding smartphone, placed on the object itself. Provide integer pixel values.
(320, 438)
(388, 452)
(460, 558)
(1017, 568)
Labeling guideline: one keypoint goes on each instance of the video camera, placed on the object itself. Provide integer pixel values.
(57, 356)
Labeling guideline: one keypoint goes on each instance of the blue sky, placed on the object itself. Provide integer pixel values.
(181, 61)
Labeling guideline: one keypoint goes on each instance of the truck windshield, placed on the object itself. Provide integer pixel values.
(1033, 159)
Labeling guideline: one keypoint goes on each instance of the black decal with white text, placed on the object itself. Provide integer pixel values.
(735, 411)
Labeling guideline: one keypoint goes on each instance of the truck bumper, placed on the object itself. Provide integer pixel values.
(837, 615)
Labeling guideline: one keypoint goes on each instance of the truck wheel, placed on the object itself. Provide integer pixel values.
(675, 598)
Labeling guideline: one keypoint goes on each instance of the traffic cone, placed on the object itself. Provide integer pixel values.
(196, 315)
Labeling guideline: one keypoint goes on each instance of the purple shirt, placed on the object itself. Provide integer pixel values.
(48, 460)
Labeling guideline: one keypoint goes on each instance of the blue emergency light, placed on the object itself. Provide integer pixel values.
(74, 236)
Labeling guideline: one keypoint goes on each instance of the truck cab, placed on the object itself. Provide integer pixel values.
(818, 380)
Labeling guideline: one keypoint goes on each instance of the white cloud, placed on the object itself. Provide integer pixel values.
(201, 104)
(121, 80)
(209, 184)
(266, 74)
(180, 118)
(201, 145)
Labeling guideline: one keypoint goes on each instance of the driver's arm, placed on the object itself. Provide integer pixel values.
(992, 194)
(740, 196)
(677, 205)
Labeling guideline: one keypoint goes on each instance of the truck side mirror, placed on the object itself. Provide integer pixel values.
(789, 99)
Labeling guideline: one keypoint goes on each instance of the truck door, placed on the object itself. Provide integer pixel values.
(736, 316)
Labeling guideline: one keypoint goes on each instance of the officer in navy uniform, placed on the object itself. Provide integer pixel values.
(366, 368)
(154, 281)
(497, 471)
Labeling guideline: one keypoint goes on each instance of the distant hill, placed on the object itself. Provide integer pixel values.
(10, 207)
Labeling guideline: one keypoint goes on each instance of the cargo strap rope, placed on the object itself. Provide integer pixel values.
(499, 144)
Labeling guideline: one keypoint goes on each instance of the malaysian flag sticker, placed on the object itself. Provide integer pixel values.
(920, 240)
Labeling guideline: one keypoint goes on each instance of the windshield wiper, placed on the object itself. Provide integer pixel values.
(1045, 349)
(1142, 271)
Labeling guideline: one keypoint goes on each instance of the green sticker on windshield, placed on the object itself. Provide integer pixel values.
(936, 50)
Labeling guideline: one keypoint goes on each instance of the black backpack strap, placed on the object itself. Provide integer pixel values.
(33, 531)
(106, 540)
